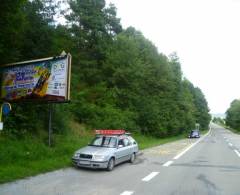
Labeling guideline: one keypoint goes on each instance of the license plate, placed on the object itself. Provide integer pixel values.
(81, 162)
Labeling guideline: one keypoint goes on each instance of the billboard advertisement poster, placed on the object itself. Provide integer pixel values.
(44, 80)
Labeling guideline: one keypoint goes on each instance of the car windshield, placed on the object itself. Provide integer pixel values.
(104, 141)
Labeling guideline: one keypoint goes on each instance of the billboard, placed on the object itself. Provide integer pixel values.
(45, 79)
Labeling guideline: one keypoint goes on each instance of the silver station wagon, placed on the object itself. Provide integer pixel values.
(108, 148)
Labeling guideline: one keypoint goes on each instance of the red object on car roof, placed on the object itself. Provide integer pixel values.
(110, 132)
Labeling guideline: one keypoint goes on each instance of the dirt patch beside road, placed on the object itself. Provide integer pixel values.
(169, 148)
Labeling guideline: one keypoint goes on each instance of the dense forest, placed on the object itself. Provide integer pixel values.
(219, 120)
(119, 79)
(233, 115)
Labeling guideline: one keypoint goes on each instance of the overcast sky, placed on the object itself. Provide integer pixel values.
(204, 33)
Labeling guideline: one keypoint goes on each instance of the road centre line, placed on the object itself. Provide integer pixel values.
(150, 176)
(237, 153)
(192, 145)
(168, 163)
(127, 193)
(230, 144)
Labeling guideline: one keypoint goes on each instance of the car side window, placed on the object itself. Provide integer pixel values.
(126, 142)
(120, 142)
(132, 141)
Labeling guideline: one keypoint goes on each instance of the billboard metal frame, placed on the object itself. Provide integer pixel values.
(67, 96)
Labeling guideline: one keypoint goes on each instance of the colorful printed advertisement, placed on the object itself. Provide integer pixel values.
(46, 80)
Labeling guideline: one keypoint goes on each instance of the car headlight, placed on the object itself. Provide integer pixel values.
(76, 155)
(99, 157)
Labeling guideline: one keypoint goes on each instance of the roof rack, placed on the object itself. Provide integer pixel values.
(111, 132)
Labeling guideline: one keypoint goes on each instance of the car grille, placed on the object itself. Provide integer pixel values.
(86, 156)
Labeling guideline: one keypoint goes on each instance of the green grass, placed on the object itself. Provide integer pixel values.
(20, 158)
(231, 129)
(30, 155)
(149, 141)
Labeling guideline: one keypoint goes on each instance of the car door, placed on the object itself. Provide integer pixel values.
(120, 152)
(134, 145)
(128, 149)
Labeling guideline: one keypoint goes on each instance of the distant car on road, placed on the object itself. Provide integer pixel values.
(194, 134)
(108, 148)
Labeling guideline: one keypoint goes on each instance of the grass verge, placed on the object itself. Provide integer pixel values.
(148, 141)
(232, 130)
(229, 128)
(20, 158)
(30, 156)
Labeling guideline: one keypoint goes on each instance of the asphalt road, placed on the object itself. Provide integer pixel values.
(210, 165)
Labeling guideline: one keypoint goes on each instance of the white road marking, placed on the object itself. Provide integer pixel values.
(237, 153)
(192, 145)
(127, 193)
(168, 163)
(230, 144)
(150, 176)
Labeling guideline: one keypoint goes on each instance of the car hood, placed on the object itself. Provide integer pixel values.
(95, 150)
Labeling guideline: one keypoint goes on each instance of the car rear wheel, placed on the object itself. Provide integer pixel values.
(111, 164)
(133, 157)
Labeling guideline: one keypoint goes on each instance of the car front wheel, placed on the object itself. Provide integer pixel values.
(111, 163)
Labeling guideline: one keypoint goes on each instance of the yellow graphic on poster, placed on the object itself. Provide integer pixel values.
(47, 80)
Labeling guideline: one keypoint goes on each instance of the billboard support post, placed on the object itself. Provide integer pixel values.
(50, 125)
(1, 123)
(41, 80)
(4, 110)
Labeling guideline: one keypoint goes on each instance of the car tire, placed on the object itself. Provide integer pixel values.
(111, 164)
(132, 158)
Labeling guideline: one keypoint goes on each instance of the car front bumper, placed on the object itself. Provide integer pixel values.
(90, 163)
